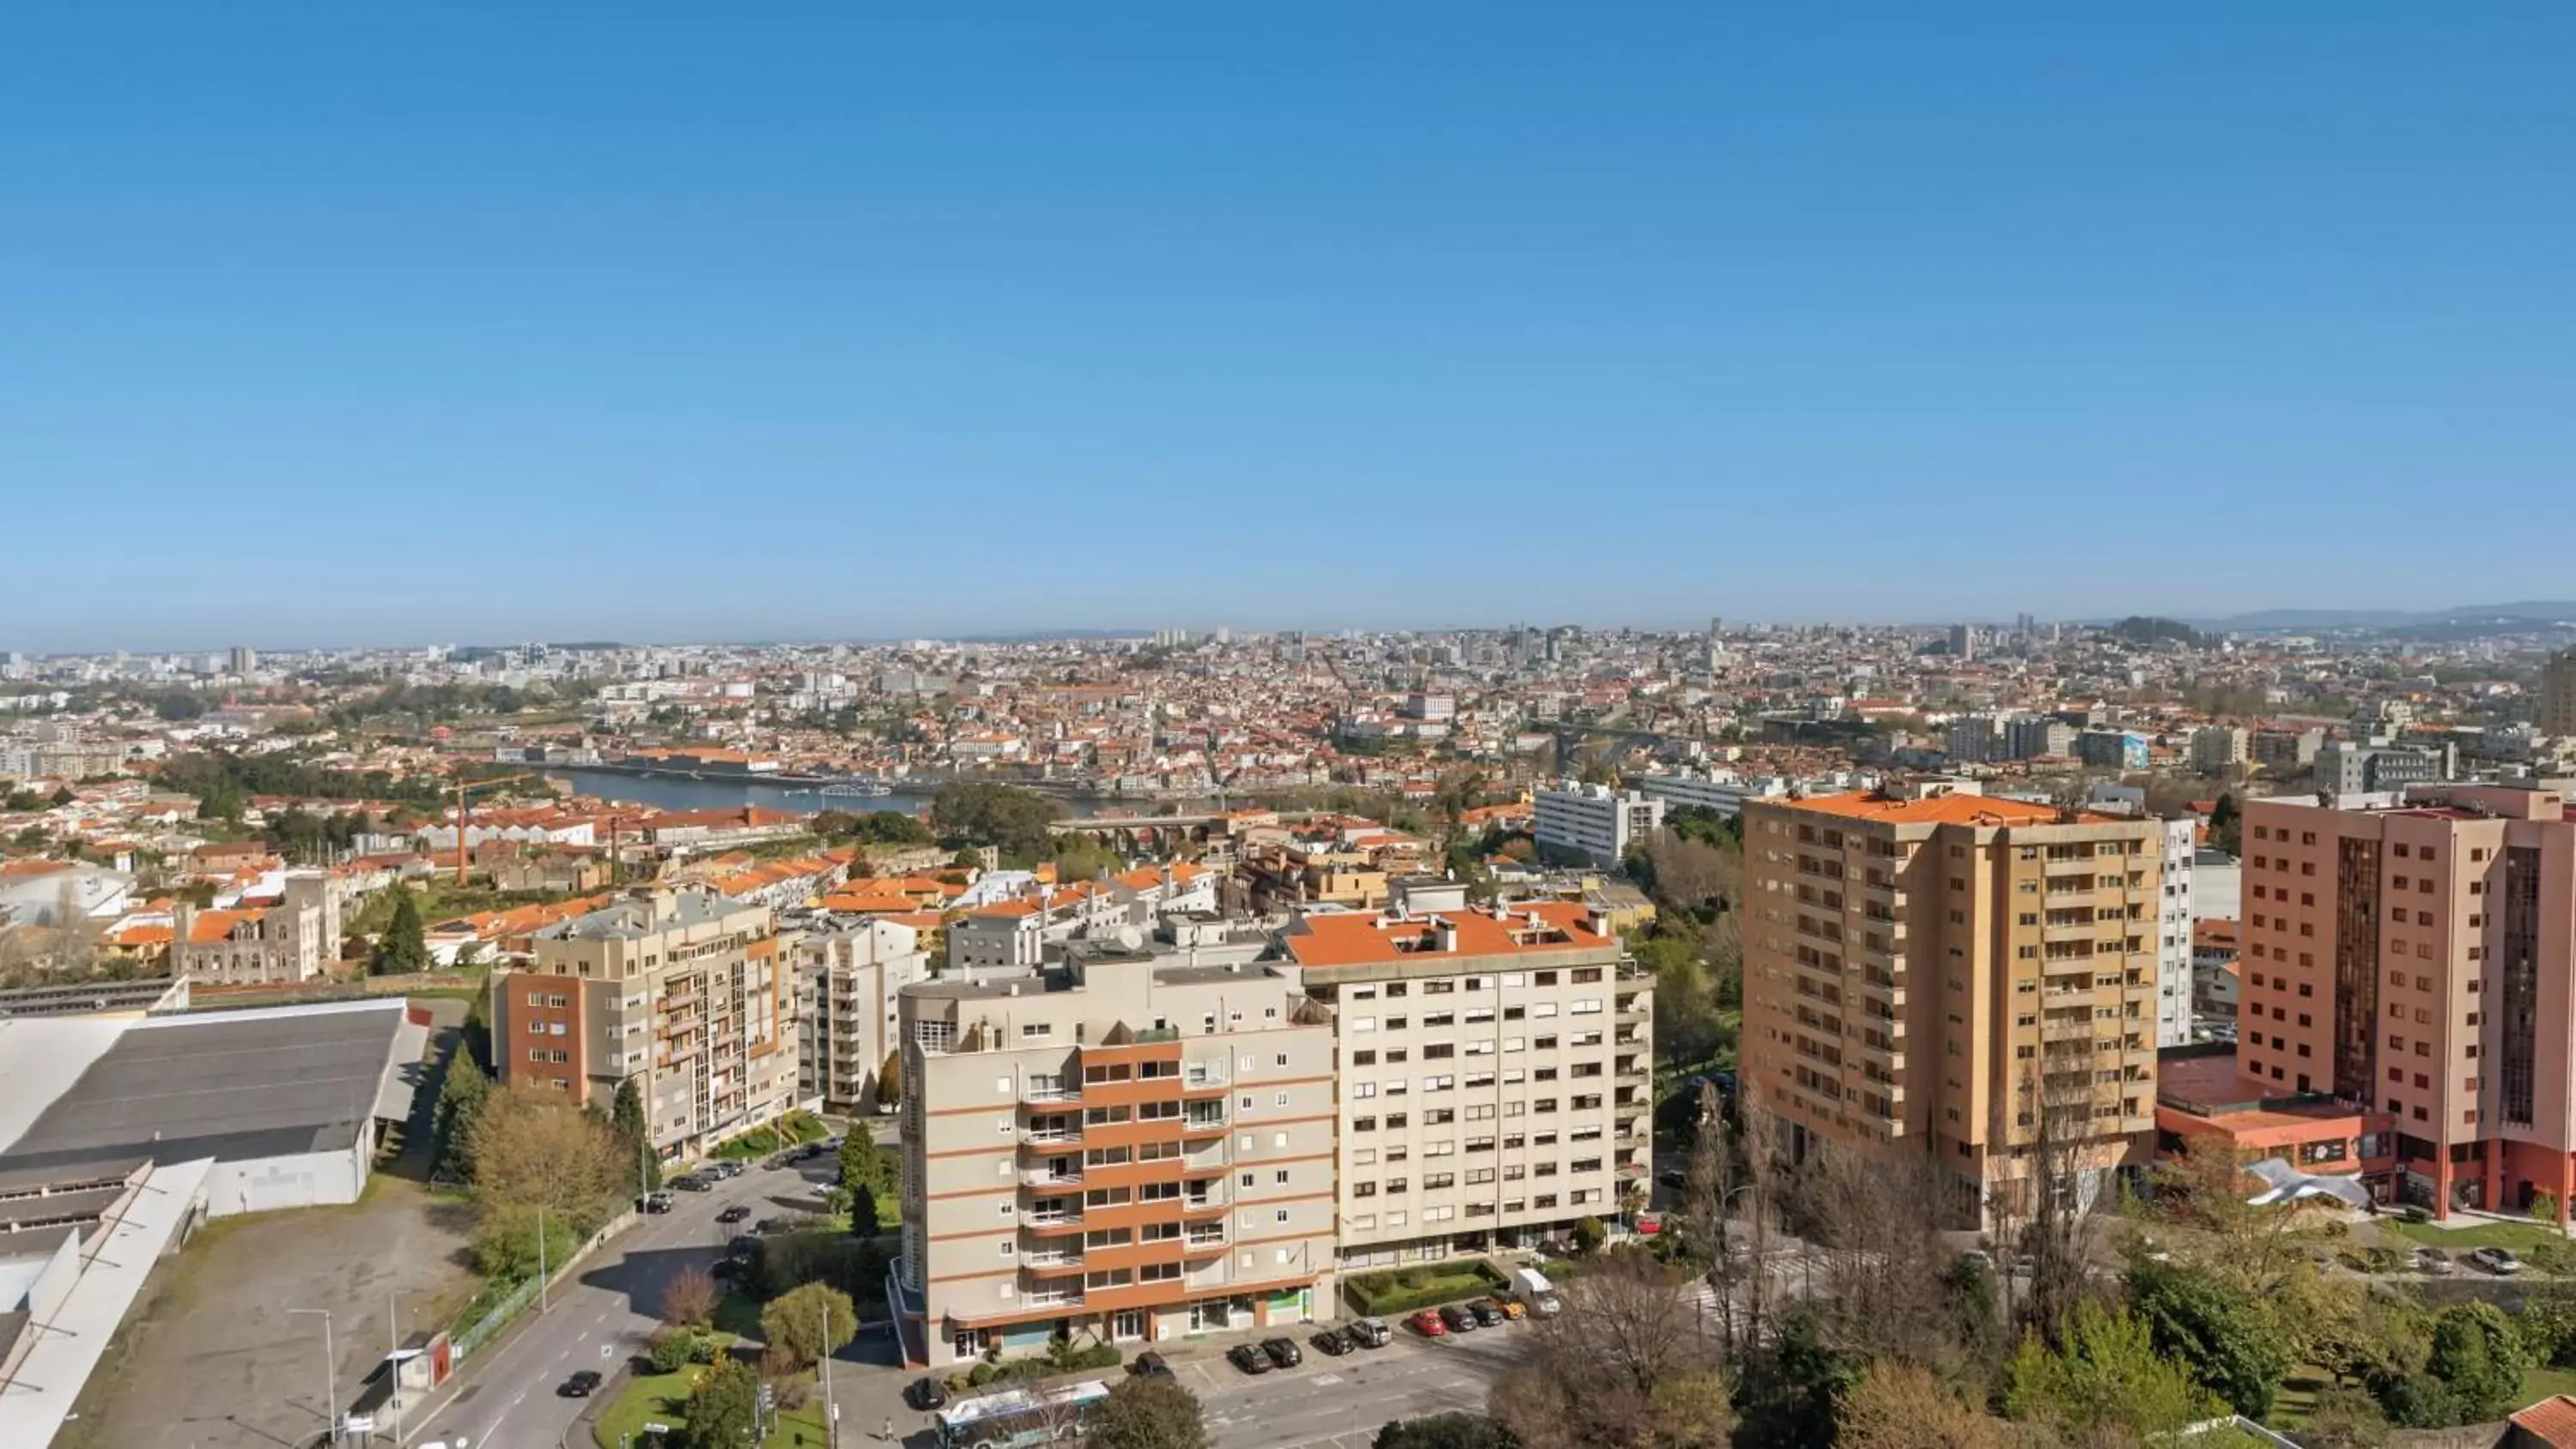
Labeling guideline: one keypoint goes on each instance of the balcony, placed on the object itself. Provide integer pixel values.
(1049, 1177)
(1053, 1300)
(1060, 1218)
(1050, 1136)
(1072, 1093)
(1051, 1258)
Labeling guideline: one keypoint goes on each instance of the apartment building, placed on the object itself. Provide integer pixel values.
(1496, 1071)
(2418, 958)
(2215, 748)
(683, 991)
(1929, 974)
(2174, 915)
(1594, 823)
(848, 982)
(1134, 1143)
(2558, 695)
(295, 940)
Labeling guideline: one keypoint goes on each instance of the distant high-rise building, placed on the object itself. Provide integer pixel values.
(244, 660)
(2558, 695)
(1963, 641)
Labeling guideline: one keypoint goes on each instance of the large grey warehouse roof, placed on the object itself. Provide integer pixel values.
(230, 1087)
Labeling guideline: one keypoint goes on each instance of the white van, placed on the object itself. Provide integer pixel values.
(1531, 1287)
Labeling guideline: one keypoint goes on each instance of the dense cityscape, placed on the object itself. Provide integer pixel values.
(1322, 726)
(1941, 986)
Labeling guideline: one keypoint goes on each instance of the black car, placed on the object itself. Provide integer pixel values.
(1247, 1358)
(1488, 1316)
(691, 1182)
(926, 1394)
(1150, 1365)
(1457, 1319)
(580, 1384)
(1333, 1342)
(1283, 1352)
(1369, 1333)
(733, 1214)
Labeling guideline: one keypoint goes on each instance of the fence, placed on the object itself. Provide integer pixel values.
(473, 1335)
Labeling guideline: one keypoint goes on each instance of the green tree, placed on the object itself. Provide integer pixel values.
(724, 1409)
(506, 1241)
(2227, 825)
(2107, 1378)
(2478, 1357)
(2345, 1419)
(890, 1080)
(808, 1322)
(1589, 1235)
(1146, 1413)
(976, 812)
(403, 949)
(863, 1212)
(862, 1165)
(2225, 1337)
(2544, 1206)
(460, 1100)
(1453, 1430)
(626, 1119)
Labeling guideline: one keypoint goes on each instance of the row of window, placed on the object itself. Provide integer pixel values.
(1509, 979)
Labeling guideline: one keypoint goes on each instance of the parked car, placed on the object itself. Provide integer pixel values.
(1487, 1315)
(1369, 1333)
(2433, 1261)
(926, 1394)
(1673, 1177)
(1150, 1365)
(691, 1182)
(733, 1214)
(1458, 1319)
(1510, 1307)
(1249, 1359)
(1333, 1341)
(1283, 1352)
(580, 1384)
(1429, 1323)
(2499, 1261)
(768, 1226)
(658, 1202)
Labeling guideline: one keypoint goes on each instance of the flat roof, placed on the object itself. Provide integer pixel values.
(228, 1086)
(1949, 809)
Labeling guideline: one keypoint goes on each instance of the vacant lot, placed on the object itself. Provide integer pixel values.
(210, 1356)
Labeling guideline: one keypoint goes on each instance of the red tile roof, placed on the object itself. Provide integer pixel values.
(1368, 938)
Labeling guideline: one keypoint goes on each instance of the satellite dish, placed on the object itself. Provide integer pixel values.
(1130, 938)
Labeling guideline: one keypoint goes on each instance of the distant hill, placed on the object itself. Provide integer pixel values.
(2533, 612)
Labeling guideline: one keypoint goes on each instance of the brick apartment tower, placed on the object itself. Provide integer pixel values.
(1919, 974)
(2417, 958)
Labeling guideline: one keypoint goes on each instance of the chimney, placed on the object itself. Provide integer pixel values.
(1444, 934)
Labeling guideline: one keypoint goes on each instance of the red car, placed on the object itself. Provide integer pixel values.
(1428, 1324)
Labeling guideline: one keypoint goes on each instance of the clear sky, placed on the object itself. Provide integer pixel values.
(366, 323)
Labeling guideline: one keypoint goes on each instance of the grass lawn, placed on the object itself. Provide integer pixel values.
(664, 1399)
(2297, 1397)
(2521, 1237)
(1387, 1295)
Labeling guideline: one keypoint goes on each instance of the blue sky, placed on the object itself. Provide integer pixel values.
(355, 324)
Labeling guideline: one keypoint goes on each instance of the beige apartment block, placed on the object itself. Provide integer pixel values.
(848, 981)
(682, 991)
(1925, 975)
(1122, 1145)
(1496, 1071)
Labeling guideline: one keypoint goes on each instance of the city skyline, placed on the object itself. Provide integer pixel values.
(347, 328)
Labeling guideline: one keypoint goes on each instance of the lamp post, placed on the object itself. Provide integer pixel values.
(330, 1405)
(831, 1416)
(393, 1360)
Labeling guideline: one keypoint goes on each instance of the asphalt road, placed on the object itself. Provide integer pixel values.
(603, 1316)
(1344, 1401)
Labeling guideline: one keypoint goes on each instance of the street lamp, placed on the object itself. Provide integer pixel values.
(330, 1405)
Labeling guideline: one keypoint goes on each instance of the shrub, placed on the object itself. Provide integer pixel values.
(672, 1350)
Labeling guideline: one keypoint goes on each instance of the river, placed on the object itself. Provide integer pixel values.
(672, 792)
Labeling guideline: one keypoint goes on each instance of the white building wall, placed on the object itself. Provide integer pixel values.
(2173, 935)
(308, 1179)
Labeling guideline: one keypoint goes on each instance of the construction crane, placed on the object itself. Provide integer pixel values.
(464, 787)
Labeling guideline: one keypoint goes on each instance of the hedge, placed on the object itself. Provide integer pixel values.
(1386, 1294)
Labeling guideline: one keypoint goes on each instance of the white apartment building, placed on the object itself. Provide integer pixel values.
(1594, 822)
(1125, 1147)
(2173, 933)
(1496, 1074)
(848, 981)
